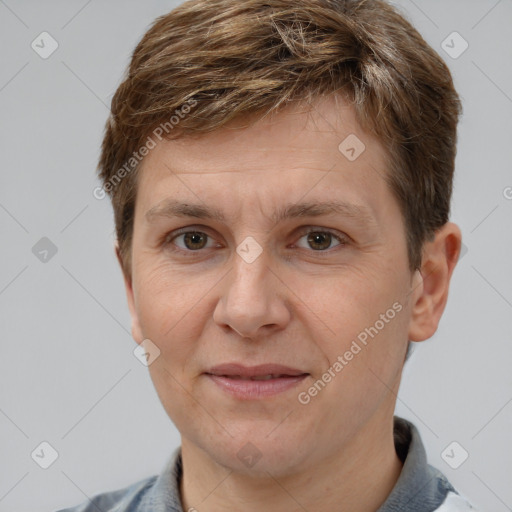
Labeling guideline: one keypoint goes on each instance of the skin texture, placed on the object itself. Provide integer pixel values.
(294, 305)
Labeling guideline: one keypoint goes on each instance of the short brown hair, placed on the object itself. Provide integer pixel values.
(231, 59)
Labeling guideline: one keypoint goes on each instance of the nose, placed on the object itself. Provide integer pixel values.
(252, 301)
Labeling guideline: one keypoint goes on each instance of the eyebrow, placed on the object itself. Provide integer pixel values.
(172, 208)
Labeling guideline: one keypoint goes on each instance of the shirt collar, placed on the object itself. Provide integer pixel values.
(420, 487)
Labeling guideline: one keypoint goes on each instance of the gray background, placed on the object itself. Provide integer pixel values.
(68, 375)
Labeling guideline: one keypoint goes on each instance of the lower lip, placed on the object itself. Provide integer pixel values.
(254, 389)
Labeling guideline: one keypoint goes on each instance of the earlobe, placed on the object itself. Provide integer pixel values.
(130, 297)
(431, 283)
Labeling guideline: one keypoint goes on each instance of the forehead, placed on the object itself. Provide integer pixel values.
(307, 150)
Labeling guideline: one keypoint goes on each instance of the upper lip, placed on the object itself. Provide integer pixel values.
(234, 369)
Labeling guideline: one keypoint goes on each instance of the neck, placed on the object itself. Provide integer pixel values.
(359, 477)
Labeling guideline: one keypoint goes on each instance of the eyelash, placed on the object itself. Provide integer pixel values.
(169, 238)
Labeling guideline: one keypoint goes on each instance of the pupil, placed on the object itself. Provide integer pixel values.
(316, 238)
(194, 239)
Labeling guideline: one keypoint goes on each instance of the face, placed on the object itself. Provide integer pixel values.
(272, 245)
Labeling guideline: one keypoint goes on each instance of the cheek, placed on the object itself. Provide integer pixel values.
(168, 300)
(349, 302)
(176, 394)
(367, 317)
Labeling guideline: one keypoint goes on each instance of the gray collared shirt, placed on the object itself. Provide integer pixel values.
(420, 487)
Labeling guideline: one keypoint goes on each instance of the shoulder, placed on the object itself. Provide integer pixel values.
(158, 492)
(121, 500)
(455, 503)
(421, 486)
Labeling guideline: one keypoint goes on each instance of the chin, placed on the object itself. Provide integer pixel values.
(259, 455)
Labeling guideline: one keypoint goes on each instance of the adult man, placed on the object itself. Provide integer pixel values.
(281, 175)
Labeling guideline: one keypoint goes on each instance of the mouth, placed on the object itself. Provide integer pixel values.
(256, 382)
(256, 377)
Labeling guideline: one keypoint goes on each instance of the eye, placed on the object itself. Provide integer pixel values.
(191, 240)
(188, 241)
(320, 240)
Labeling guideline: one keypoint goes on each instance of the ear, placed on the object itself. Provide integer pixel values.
(128, 284)
(431, 282)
